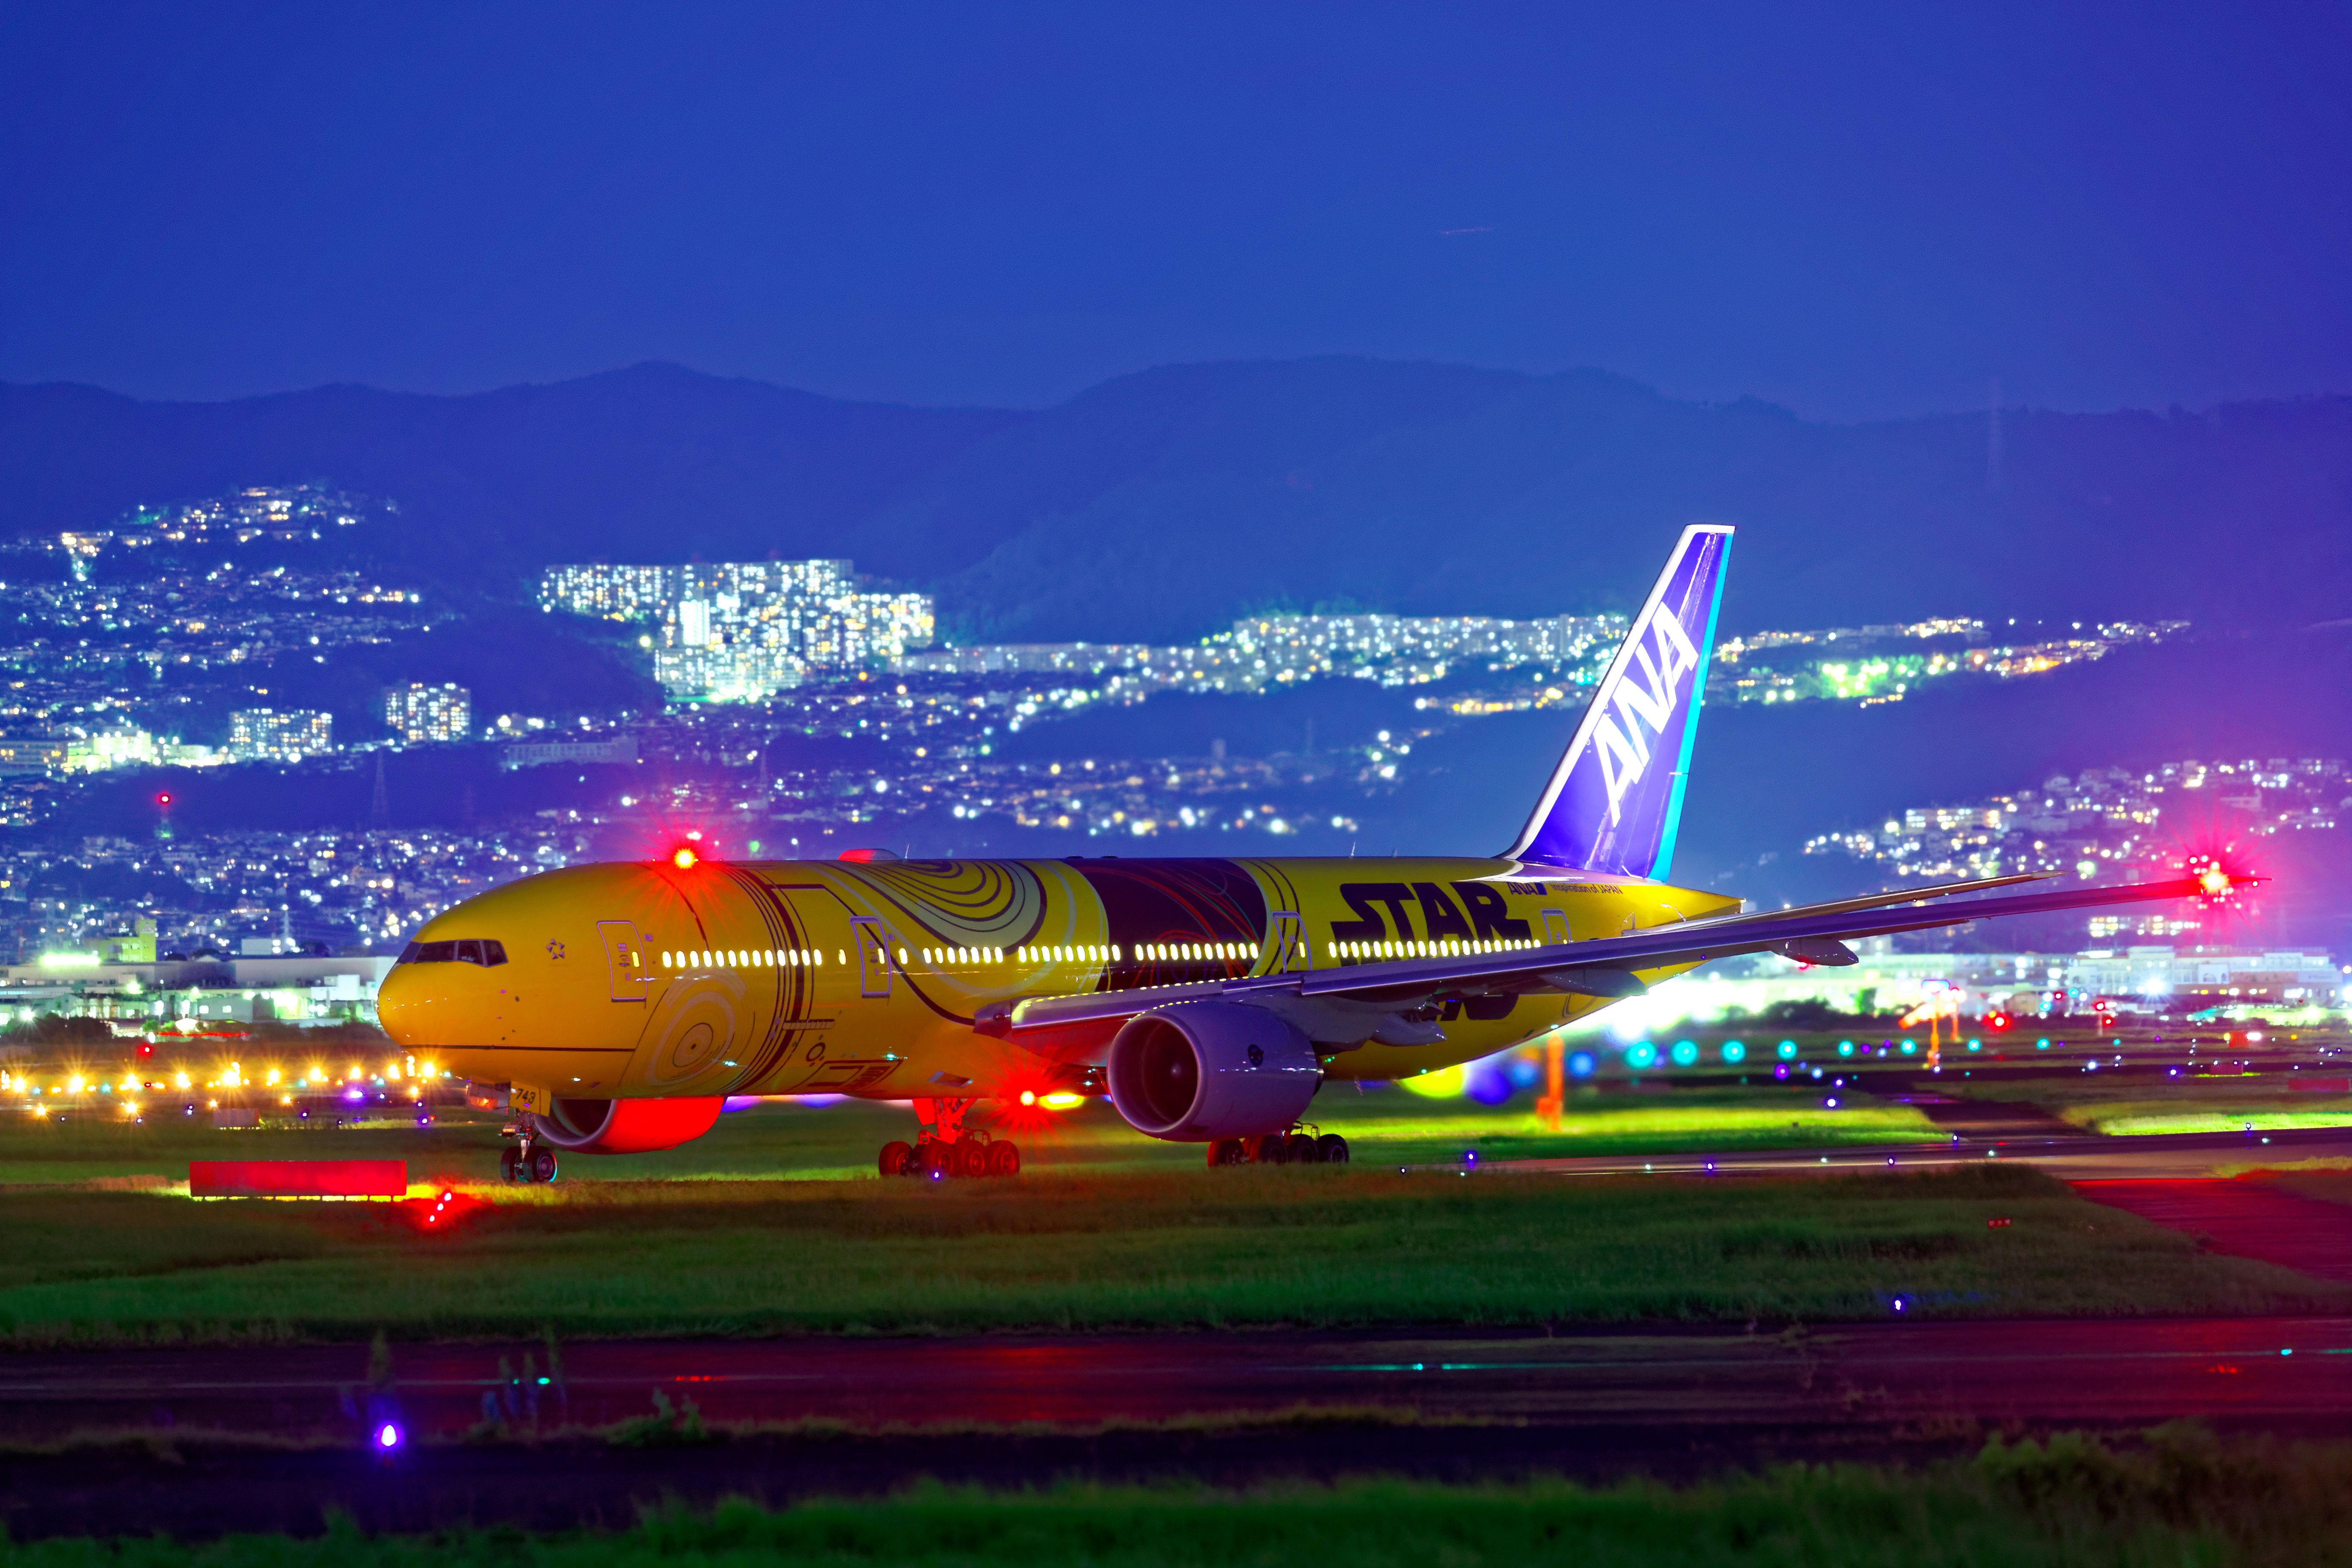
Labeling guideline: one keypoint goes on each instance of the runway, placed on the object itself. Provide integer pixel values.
(2033, 1371)
(1223, 1408)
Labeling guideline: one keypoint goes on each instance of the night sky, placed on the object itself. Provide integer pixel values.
(1856, 211)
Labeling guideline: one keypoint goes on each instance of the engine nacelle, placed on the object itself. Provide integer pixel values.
(1194, 1072)
(627, 1126)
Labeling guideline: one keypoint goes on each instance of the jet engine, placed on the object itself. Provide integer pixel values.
(627, 1126)
(1194, 1072)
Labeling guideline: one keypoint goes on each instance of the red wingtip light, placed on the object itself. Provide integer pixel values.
(684, 857)
(2216, 883)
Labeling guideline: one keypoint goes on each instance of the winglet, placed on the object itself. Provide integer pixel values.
(1615, 801)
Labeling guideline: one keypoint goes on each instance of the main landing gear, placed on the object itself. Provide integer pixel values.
(1294, 1148)
(943, 1149)
(935, 1160)
(525, 1159)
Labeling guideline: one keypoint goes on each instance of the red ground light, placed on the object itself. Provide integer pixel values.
(441, 1211)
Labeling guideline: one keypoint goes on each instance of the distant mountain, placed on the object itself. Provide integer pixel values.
(653, 463)
(1159, 505)
(1431, 489)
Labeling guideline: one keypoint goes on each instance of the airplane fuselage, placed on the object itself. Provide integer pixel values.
(878, 979)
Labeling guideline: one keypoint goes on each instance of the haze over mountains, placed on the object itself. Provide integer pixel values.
(1159, 505)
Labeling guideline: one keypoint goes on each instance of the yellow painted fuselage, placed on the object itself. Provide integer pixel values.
(625, 981)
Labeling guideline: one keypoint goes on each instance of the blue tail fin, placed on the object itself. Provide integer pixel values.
(1616, 799)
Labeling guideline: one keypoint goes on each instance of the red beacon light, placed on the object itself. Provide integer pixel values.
(2216, 884)
(685, 857)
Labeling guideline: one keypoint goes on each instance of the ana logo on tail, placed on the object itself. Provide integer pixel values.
(1616, 800)
(1666, 656)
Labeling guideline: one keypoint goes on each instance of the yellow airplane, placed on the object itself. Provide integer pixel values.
(1209, 998)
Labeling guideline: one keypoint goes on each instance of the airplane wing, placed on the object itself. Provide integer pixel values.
(1344, 997)
(1882, 901)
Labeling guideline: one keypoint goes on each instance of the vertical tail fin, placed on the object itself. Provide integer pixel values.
(1616, 799)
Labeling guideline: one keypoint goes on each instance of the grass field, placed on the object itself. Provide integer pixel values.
(1386, 1126)
(2183, 1498)
(2128, 1119)
(2266, 1102)
(1315, 1246)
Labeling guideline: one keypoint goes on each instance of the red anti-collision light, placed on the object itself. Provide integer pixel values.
(2217, 883)
(684, 857)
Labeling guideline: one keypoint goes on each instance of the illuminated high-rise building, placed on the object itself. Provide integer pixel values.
(420, 713)
(279, 735)
(609, 593)
(739, 631)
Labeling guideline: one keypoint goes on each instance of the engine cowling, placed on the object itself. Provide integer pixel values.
(627, 1126)
(1194, 1072)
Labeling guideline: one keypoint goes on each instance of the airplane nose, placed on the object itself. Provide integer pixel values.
(422, 1004)
(403, 1009)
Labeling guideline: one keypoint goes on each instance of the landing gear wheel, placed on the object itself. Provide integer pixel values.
(1003, 1160)
(898, 1159)
(543, 1164)
(1273, 1148)
(1228, 1152)
(1300, 1149)
(510, 1163)
(972, 1159)
(934, 1161)
(1332, 1149)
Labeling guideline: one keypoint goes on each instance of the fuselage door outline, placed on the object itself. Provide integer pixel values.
(1555, 928)
(873, 956)
(1286, 934)
(625, 959)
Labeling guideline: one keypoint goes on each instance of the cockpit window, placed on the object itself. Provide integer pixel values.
(487, 952)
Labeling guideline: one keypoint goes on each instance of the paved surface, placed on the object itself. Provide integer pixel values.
(1986, 1119)
(2026, 1371)
(1598, 1405)
(2250, 1217)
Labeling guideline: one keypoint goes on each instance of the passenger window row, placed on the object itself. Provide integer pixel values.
(735, 958)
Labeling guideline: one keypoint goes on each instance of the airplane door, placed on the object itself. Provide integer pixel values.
(625, 959)
(1555, 927)
(873, 955)
(1292, 953)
